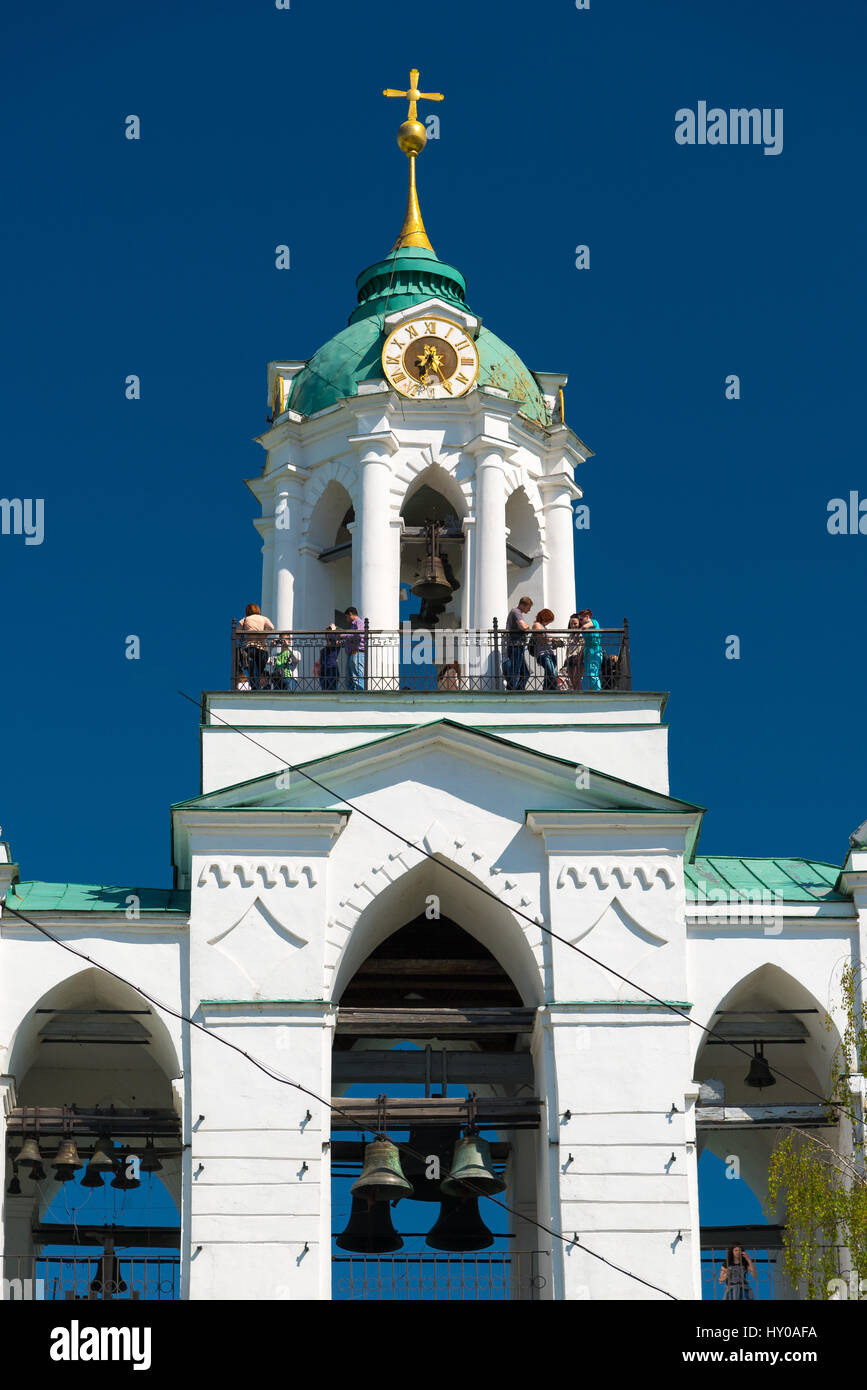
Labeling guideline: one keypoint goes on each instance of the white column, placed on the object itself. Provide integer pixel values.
(287, 537)
(376, 572)
(490, 587)
(265, 526)
(559, 565)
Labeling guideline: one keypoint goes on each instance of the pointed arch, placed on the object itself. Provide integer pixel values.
(395, 892)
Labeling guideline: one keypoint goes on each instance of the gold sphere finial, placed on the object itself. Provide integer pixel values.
(412, 137)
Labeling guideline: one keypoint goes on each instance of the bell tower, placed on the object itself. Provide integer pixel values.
(415, 415)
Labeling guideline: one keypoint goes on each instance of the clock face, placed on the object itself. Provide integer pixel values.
(429, 359)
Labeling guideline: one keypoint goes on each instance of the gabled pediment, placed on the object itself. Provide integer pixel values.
(482, 766)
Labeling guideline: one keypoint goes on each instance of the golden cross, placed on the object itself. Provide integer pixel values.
(413, 95)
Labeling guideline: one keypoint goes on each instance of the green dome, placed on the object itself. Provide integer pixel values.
(409, 276)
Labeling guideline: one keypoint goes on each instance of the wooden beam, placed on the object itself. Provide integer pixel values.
(761, 1116)
(433, 1023)
(384, 966)
(93, 1120)
(159, 1237)
(463, 1068)
(507, 1112)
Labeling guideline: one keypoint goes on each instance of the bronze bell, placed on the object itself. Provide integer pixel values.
(369, 1230)
(37, 1173)
(759, 1074)
(121, 1181)
(30, 1154)
(101, 1162)
(149, 1161)
(382, 1178)
(471, 1169)
(459, 1227)
(66, 1161)
(108, 1279)
(433, 584)
(14, 1188)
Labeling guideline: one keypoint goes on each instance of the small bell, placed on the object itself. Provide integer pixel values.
(101, 1162)
(149, 1161)
(124, 1179)
(471, 1169)
(30, 1154)
(66, 1161)
(108, 1279)
(14, 1188)
(459, 1228)
(369, 1230)
(759, 1074)
(382, 1178)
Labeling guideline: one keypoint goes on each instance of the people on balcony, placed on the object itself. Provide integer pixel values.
(284, 664)
(592, 649)
(353, 644)
(449, 676)
(255, 651)
(542, 646)
(734, 1273)
(515, 667)
(327, 667)
(573, 666)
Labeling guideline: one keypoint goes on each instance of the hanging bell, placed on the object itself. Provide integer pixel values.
(382, 1178)
(30, 1154)
(369, 1230)
(101, 1162)
(149, 1161)
(459, 1227)
(471, 1169)
(37, 1173)
(66, 1161)
(123, 1180)
(759, 1074)
(108, 1279)
(14, 1188)
(432, 585)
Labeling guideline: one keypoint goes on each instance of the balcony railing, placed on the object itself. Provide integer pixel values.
(439, 1278)
(97, 1278)
(432, 659)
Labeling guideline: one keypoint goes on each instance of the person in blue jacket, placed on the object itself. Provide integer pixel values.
(592, 649)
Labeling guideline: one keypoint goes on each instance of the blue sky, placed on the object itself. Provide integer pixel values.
(259, 127)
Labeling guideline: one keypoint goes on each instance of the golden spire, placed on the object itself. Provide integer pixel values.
(412, 138)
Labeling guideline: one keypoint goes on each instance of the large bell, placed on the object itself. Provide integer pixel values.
(471, 1169)
(759, 1074)
(30, 1154)
(369, 1230)
(382, 1178)
(433, 584)
(66, 1161)
(459, 1227)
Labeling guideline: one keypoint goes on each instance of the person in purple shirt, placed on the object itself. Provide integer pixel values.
(354, 645)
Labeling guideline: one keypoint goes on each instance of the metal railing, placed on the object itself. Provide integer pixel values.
(472, 1278)
(450, 660)
(95, 1278)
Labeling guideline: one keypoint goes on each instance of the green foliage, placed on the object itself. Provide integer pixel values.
(825, 1192)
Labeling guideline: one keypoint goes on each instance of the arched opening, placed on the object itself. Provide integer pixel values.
(524, 553)
(93, 1162)
(432, 1048)
(434, 497)
(769, 1015)
(330, 540)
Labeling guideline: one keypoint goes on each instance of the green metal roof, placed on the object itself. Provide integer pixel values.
(353, 355)
(35, 896)
(796, 880)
